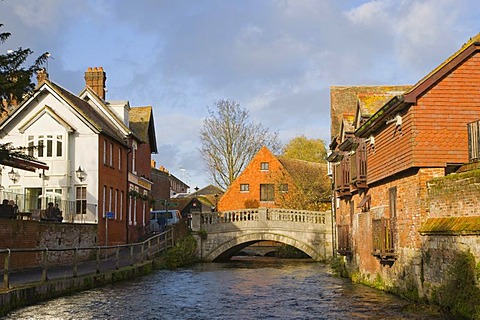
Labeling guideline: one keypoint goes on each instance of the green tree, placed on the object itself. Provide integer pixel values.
(15, 75)
(302, 148)
(230, 139)
(15, 83)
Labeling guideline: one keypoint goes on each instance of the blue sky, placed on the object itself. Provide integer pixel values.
(277, 58)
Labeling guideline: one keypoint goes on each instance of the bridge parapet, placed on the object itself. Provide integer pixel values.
(263, 214)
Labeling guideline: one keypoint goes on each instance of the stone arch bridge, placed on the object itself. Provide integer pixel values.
(221, 234)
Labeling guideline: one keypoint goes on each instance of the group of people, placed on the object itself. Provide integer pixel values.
(53, 213)
(8, 209)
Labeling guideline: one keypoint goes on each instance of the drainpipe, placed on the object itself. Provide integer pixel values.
(127, 197)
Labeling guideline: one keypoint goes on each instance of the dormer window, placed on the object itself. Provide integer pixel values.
(264, 166)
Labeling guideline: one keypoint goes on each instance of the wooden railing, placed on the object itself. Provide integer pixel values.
(383, 238)
(474, 141)
(342, 177)
(358, 168)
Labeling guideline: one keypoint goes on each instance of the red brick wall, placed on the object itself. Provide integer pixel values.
(234, 199)
(457, 195)
(26, 234)
(113, 178)
(160, 188)
(412, 209)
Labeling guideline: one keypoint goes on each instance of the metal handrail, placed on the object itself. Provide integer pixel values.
(112, 254)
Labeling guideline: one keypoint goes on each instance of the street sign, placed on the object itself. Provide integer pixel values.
(110, 215)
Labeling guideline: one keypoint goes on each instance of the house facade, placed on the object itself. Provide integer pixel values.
(86, 143)
(384, 166)
(272, 182)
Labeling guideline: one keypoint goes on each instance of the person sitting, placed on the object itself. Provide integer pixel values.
(6, 210)
(57, 214)
(49, 213)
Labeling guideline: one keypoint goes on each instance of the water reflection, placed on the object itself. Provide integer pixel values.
(259, 288)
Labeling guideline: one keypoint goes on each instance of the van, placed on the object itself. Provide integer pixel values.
(159, 219)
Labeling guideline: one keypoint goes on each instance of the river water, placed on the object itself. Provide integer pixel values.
(262, 288)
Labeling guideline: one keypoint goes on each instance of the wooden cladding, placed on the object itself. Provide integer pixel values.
(474, 141)
(383, 236)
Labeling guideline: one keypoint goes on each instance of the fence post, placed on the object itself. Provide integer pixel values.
(149, 248)
(75, 262)
(117, 264)
(131, 255)
(98, 260)
(6, 269)
(142, 251)
(45, 265)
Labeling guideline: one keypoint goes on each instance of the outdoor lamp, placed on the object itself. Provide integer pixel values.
(13, 175)
(80, 173)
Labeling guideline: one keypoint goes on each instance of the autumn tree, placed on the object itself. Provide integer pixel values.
(230, 139)
(306, 149)
(304, 160)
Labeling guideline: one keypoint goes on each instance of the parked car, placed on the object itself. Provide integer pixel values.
(160, 219)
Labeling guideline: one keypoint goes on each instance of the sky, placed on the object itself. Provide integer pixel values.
(276, 58)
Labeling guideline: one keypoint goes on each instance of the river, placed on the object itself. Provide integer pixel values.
(246, 288)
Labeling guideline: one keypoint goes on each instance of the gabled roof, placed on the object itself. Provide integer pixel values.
(451, 63)
(88, 112)
(400, 102)
(297, 168)
(90, 94)
(346, 99)
(141, 123)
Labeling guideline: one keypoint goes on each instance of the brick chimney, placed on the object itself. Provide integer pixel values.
(42, 75)
(95, 78)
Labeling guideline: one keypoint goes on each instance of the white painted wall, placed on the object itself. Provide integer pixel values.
(80, 148)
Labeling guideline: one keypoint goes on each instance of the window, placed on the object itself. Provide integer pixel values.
(104, 201)
(40, 146)
(267, 192)
(48, 146)
(104, 151)
(120, 159)
(134, 158)
(283, 188)
(59, 141)
(81, 200)
(121, 205)
(244, 187)
(116, 203)
(110, 200)
(31, 145)
(264, 166)
(392, 195)
(110, 156)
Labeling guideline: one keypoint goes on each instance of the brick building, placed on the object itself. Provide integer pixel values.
(272, 182)
(383, 166)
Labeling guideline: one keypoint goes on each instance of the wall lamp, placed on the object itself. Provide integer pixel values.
(13, 175)
(80, 174)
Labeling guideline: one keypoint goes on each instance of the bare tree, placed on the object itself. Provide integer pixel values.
(229, 141)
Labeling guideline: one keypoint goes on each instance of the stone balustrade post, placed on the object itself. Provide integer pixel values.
(196, 221)
(262, 214)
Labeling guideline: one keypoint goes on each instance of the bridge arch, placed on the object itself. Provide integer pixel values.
(226, 249)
